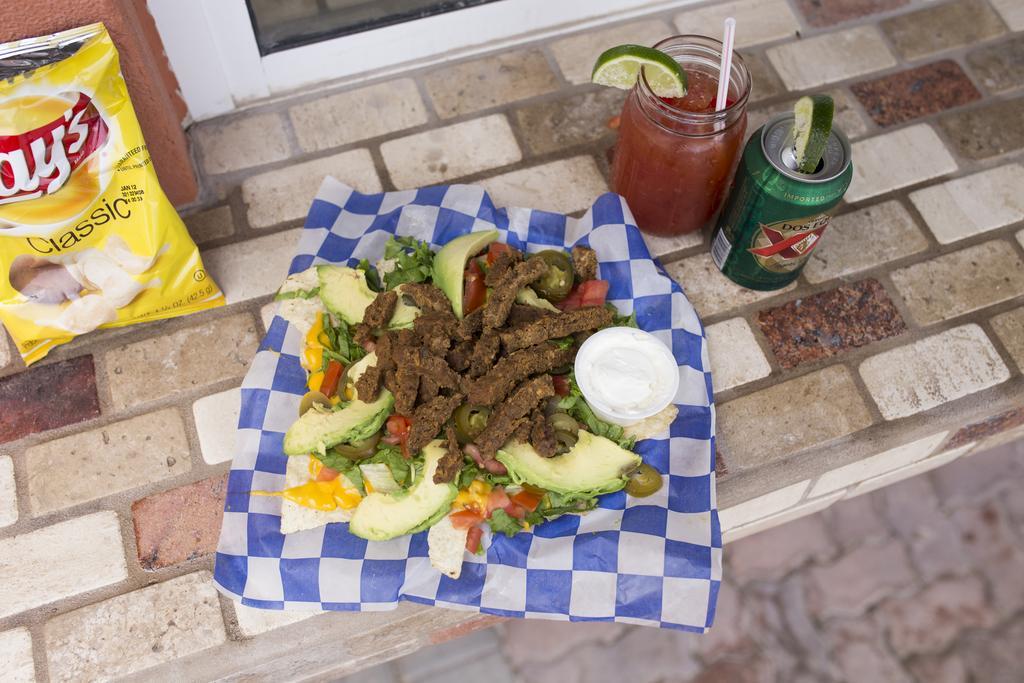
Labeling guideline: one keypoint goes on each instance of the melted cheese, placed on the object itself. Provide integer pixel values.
(473, 496)
(319, 495)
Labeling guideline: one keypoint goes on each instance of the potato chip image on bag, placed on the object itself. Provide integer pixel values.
(87, 237)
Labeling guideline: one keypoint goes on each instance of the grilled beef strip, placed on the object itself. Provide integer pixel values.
(458, 357)
(503, 295)
(555, 326)
(521, 430)
(363, 334)
(368, 384)
(501, 266)
(513, 369)
(470, 326)
(524, 313)
(584, 262)
(542, 435)
(504, 419)
(450, 464)
(427, 297)
(380, 310)
(428, 419)
(435, 331)
(484, 352)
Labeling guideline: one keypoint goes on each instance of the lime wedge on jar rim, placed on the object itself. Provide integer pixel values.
(619, 67)
(812, 125)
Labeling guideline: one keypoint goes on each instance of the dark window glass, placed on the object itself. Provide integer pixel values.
(281, 24)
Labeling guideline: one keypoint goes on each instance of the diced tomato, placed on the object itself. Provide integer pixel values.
(495, 250)
(593, 292)
(514, 510)
(464, 519)
(497, 499)
(398, 425)
(327, 474)
(561, 383)
(476, 291)
(332, 375)
(527, 499)
(473, 539)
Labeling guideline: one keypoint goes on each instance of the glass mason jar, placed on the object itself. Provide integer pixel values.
(674, 166)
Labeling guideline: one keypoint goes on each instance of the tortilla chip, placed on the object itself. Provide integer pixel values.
(653, 426)
(297, 518)
(446, 546)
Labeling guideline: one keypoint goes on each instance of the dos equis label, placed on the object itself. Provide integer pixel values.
(87, 237)
(784, 246)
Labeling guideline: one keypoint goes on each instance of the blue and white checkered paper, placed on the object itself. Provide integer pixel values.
(654, 561)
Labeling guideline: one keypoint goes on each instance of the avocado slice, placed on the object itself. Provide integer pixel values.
(595, 465)
(319, 429)
(380, 516)
(404, 314)
(344, 292)
(450, 264)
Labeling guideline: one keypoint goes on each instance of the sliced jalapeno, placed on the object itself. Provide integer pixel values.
(644, 482)
(469, 422)
(557, 282)
(310, 399)
(358, 450)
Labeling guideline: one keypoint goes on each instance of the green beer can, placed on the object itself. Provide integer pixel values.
(775, 215)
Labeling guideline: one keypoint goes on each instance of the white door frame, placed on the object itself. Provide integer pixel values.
(212, 47)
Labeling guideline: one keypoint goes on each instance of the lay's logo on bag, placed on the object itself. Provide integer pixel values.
(40, 161)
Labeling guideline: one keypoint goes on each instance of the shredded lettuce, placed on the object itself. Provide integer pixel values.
(372, 278)
(577, 407)
(619, 320)
(413, 259)
(343, 348)
(297, 294)
(503, 523)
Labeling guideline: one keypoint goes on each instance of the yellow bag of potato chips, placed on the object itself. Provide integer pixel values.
(87, 237)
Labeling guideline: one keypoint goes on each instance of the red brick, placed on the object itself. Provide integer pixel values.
(465, 628)
(993, 425)
(48, 396)
(179, 524)
(831, 322)
(829, 12)
(915, 92)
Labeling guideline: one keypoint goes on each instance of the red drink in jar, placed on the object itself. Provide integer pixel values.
(676, 157)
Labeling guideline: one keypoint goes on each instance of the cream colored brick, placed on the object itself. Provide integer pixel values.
(60, 561)
(935, 370)
(831, 57)
(961, 282)
(135, 631)
(875, 465)
(913, 470)
(1012, 12)
(210, 224)
(441, 154)
(1009, 328)
(118, 457)
(253, 268)
(709, 291)
(576, 54)
(864, 239)
(188, 359)
(285, 194)
(5, 349)
(763, 427)
(660, 247)
(903, 157)
(354, 115)
(1020, 237)
(8, 492)
(758, 21)
(736, 357)
(977, 203)
(808, 507)
(762, 506)
(216, 419)
(489, 82)
(267, 313)
(239, 143)
(16, 656)
(253, 622)
(562, 186)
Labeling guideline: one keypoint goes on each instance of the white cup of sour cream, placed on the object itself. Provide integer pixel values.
(626, 375)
